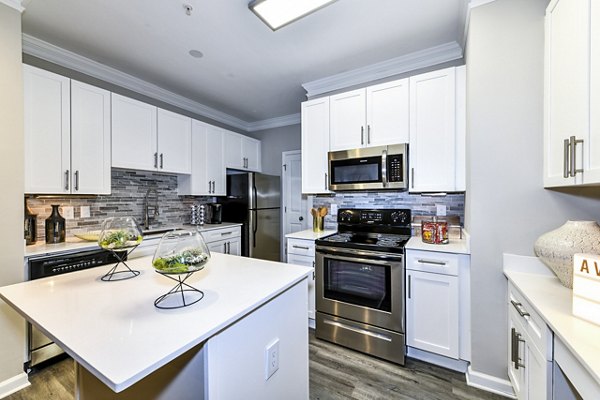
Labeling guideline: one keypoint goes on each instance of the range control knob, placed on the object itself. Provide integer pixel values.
(399, 217)
(345, 216)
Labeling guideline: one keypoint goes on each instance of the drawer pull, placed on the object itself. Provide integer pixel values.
(441, 263)
(300, 247)
(520, 309)
(226, 233)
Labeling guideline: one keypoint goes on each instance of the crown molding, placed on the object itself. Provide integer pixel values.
(395, 66)
(277, 122)
(16, 4)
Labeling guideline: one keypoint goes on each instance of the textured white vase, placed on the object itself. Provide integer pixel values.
(556, 248)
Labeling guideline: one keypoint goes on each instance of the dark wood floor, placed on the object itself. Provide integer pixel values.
(335, 373)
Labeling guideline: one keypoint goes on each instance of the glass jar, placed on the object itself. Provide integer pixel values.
(181, 252)
(119, 233)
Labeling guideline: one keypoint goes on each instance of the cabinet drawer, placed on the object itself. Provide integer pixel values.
(434, 262)
(537, 330)
(220, 234)
(301, 247)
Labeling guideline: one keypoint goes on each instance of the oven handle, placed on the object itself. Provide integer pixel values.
(351, 255)
(358, 330)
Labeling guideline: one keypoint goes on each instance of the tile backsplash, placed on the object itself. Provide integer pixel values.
(419, 204)
(129, 188)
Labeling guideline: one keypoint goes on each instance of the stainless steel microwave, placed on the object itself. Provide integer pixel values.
(370, 168)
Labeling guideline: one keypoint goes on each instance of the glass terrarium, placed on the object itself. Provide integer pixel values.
(120, 235)
(178, 255)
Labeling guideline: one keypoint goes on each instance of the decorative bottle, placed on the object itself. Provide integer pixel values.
(30, 228)
(55, 227)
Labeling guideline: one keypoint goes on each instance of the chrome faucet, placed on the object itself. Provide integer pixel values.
(148, 209)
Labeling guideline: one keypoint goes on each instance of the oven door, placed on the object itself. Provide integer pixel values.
(358, 169)
(362, 286)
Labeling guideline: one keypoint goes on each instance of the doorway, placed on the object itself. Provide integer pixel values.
(294, 209)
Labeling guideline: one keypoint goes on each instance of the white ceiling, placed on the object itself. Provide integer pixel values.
(248, 71)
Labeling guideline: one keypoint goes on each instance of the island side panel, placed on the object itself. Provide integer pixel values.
(237, 356)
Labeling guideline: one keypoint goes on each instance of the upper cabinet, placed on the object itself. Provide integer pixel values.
(373, 116)
(147, 138)
(242, 152)
(572, 90)
(315, 145)
(67, 135)
(208, 167)
(437, 131)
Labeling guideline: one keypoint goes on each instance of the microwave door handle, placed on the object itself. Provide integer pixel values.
(384, 168)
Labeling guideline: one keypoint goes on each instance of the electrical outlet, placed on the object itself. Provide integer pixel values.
(440, 210)
(272, 358)
(84, 211)
(334, 208)
(68, 212)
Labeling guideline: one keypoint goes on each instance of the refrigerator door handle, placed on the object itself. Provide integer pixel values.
(254, 228)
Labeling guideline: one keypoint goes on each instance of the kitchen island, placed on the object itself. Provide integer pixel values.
(126, 348)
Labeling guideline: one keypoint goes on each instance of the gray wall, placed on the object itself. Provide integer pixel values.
(12, 327)
(507, 206)
(274, 142)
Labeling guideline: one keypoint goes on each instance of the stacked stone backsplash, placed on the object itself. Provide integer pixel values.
(419, 204)
(129, 189)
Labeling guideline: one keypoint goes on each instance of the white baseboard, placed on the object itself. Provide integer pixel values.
(490, 383)
(13, 385)
(449, 363)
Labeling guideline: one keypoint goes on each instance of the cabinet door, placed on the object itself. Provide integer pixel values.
(47, 132)
(306, 261)
(234, 247)
(90, 139)
(387, 113)
(592, 174)
(133, 134)
(433, 131)
(315, 145)
(219, 246)
(198, 182)
(432, 313)
(232, 150)
(516, 349)
(215, 164)
(567, 86)
(348, 120)
(174, 142)
(251, 152)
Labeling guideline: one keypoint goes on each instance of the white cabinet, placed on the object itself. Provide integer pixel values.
(302, 252)
(373, 116)
(150, 139)
(242, 152)
(174, 142)
(530, 350)
(67, 135)
(437, 113)
(572, 90)
(315, 145)
(225, 240)
(230, 246)
(437, 297)
(208, 176)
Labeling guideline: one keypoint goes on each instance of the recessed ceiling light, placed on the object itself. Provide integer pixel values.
(196, 53)
(278, 13)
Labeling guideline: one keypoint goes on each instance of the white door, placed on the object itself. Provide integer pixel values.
(90, 139)
(348, 120)
(315, 145)
(567, 86)
(432, 313)
(295, 204)
(232, 150)
(47, 132)
(306, 261)
(432, 150)
(387, 113)
(133, 134)
(215, 165)
(251, 153)
(592, 174)
(174, 142)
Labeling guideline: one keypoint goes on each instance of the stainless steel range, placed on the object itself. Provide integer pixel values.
(360, 282)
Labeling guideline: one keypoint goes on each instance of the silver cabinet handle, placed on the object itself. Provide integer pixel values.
(161, 160)
(225, 248)
(515, 339)
(368, 134)
(209, 187)
(412, 177)
(520, 309)
(362, 135)
(326, 181)
(574, 142)
(300, 247)
(226, 233)
(155, 160)
(214, 190)
(409, 286)
(67, 180)
(441, 263)
(566, 164)
(77, 180)
(313, 267)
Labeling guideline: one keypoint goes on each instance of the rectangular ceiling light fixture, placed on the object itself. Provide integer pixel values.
(278, 13)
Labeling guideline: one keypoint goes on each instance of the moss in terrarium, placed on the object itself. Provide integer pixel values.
(182, 262)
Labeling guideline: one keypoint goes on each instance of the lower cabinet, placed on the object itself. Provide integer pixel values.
(228, 246)
(437, 303)
(302, 252)
(225, 240)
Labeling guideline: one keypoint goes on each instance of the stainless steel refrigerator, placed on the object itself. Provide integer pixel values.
(255, 200)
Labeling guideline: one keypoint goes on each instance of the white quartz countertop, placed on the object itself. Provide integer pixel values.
(113, 328)
(75, 244)
(309, 234)
(553, 302)
(456, 245)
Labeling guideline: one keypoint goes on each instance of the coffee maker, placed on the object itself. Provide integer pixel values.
(214, 213)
